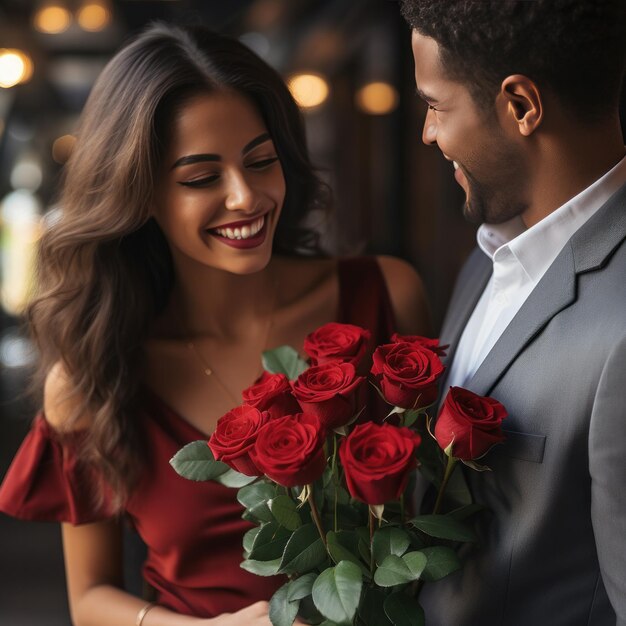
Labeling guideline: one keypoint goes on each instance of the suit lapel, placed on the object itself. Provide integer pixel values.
(587, 250)
(554, 292)
(470, 286)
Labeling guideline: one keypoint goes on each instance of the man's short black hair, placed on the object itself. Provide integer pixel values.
(574, 48)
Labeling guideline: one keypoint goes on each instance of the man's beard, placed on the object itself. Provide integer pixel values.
(501, 198)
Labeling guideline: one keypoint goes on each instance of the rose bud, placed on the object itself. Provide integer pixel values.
(272, 393)
(331, 391)
(234, 438)
(407, 374)
(377, 460)
(472, 423)
(290, 450)
(337, 342)
(426, 342)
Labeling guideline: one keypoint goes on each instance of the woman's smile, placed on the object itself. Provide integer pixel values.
(242, 234)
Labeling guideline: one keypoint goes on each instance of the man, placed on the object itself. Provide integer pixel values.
(523, 100)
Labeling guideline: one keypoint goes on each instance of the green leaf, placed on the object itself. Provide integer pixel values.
(308, 613)
(337, 592)
(395, 570)
(282, 611)
(303, 552)
(410, 417)
(441, 561)
(444, 527)
(466, 511)
(284, 360)
(248, 539)
(270, 543)
(404, 610)
(196, 462)
(255, 498)
(261, 568)
(234, 479)
(301, 587)
(284, 510)
(344, 546)
(371, 611)
(389, 540)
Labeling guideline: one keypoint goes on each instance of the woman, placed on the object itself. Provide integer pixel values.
(158, 292)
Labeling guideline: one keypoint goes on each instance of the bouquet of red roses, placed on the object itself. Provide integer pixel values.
(323, 466)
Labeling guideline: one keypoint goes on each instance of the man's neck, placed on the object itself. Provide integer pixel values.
(568, 161)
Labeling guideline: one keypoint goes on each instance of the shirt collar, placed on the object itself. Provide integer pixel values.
(536, 248)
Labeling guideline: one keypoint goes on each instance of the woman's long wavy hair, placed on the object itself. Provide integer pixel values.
(105, 269)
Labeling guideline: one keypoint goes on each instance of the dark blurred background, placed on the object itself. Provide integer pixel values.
(349, 65)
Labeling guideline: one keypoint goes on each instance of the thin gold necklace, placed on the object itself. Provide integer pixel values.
(208, 370)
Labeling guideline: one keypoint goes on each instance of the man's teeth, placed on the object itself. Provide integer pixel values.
(456, 165)
(245, 232)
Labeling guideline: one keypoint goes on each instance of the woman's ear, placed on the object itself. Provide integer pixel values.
(522, 99)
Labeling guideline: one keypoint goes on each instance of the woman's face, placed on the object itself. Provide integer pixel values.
(222, 186)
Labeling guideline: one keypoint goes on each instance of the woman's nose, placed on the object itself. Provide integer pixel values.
(240, 196)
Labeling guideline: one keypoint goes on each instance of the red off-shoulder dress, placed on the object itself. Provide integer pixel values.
(193, 531)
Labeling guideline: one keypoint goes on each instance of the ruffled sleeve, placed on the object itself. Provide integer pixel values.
(46, 482)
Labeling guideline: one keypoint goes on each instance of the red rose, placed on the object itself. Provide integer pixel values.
(470, 422)
(407, 374)
(426, 342)
(235, 436)
(290, 450)
(272, 393)
(337, 342)
(331, 391)
(377, 460)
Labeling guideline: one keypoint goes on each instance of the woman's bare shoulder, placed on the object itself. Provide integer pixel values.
(61, 403)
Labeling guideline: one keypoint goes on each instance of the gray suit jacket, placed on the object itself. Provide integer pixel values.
(552, 550)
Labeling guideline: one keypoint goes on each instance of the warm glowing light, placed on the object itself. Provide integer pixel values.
(377, 98)
(62, 148)
(26, 174)
(15, 67)
(309, 90)
(52, 19)
(94, 16)
(21, 228)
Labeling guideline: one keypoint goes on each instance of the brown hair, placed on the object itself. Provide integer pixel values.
(105, 270)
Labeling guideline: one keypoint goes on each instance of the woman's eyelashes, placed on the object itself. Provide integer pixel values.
(263, 163)
(205, 181)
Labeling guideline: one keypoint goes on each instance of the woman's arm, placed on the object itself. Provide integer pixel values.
(93, 556)
(94, 579)
(408, 298)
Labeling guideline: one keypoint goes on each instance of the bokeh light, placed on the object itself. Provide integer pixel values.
(15, 67)
(308, 90)
(62, 148)
(93, 16)
(377, 98)
(52, 19)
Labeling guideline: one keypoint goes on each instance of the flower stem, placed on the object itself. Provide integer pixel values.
(451, 464)
(372, 529)
(316, 516)
(335, 474)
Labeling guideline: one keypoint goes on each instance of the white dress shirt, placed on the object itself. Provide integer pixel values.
(521, 256)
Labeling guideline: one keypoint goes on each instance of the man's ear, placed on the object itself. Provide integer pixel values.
(521, 99)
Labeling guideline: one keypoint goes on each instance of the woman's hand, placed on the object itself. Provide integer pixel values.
(256, 614)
